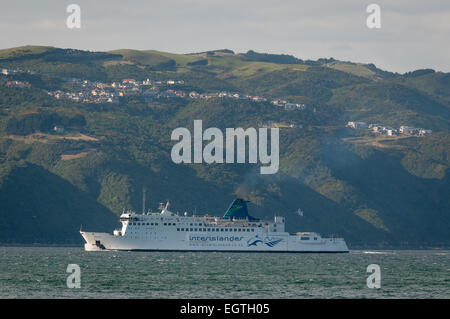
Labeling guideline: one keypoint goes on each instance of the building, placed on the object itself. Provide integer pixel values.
(423, 132)
(279, 102)
(18, 84)
(259, 99)
(59, 129)
(357, 125)
(130, 81)
(194, 95)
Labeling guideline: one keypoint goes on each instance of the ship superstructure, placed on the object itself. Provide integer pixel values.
(235, 231)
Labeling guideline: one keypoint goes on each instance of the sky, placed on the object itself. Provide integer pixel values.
(414, 34)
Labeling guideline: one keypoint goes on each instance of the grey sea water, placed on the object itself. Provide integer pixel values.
(40, 272)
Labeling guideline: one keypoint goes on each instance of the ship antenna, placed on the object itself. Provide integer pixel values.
(143, 199)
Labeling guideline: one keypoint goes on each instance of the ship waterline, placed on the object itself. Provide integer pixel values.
(235, 231)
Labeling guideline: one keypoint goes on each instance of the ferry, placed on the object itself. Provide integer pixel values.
(235, 231)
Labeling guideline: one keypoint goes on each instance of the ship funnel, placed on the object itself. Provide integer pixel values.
(238, 210)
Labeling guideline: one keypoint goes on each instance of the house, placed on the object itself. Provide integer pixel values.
(423, 132)
(357, 125)
(290, 106)
(259, 99)
(130, 81)
(18, 84)
(194, 95)
(279, 102)
(180, 93)
(376, 128)
(59, 129)
(405, 129)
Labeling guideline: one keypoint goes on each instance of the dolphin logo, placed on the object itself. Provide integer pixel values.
(270, 243)
(254, 242)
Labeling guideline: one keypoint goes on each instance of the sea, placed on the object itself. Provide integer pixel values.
(48, 272)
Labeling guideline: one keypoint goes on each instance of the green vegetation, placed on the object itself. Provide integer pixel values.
(376, 194)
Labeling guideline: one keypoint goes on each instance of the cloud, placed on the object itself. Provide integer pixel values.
(414, 34)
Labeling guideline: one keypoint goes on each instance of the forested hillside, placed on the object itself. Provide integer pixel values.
(70, 159)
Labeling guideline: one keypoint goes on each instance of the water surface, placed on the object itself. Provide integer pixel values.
(40, 272)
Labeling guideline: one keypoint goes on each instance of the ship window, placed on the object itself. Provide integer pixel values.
(235, 229)
(204, 229)
(165, 224)
(151, 224)
(148, 224)
(248, 229)
(190, 224)
(304, 238)
(156, 224)
(182, 229)
(209, 229)
(315, 238)
(192, 229)
(178, 229)
(138, 224)
(253, 230)
(195, 229)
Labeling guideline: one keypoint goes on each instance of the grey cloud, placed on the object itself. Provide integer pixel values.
(414, 33)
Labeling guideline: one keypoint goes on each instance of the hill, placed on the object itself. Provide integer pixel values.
(375, 190)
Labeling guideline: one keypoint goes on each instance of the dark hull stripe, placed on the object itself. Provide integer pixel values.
(232, 251)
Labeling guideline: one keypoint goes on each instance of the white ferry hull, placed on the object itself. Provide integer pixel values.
(209, 241)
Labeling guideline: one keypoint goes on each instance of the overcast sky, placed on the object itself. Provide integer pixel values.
(414, 34)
